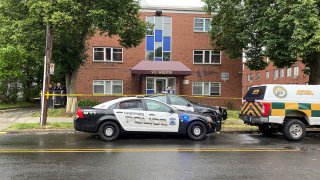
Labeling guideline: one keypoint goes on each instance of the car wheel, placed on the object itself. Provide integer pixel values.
(266, 130)
(109, 131)
(294, 130)
(197, 131)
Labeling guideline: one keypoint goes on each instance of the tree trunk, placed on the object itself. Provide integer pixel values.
(314, 65)
(72, 102)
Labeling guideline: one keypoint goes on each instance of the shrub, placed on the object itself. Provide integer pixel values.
(87, 103)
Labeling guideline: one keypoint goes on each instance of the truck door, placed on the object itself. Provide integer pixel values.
(251, 105)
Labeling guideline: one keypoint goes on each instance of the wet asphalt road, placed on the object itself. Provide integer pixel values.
(220, 156)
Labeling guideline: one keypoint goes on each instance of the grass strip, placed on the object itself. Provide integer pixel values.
(50, 125)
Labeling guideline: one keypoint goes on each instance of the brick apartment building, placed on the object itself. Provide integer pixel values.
(175, 57)
(273, 75)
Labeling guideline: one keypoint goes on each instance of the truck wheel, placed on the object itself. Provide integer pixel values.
(109, 131)
(197, 131)
(294, 130)
(266, 130)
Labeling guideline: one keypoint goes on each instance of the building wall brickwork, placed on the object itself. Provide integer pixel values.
(301, 78)
(184, 42)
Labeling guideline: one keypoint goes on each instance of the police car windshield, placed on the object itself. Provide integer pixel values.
(255, 93)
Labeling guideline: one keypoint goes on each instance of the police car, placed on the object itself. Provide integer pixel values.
(140, 114)
(182, 104)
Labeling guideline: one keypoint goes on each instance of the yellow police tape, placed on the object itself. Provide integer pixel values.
(47, 95)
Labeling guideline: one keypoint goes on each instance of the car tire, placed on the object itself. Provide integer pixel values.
(109, 131)
(294, 130)
(266, 130)
(197, 131)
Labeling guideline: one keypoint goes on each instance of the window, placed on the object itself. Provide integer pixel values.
(108, 54)
(281, 73)
(108, 87)
(158, 39)
(202, 24)
(135, 105)
(248, 77)
(206, 57)
(258, 76)
(295, 71)
(288, 72)
(206, 88)
(161, 98)
(275, 74)
(175, 100)
(157, 106)
(267, 74)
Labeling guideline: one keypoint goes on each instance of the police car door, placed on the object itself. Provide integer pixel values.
(161, 117)
(131, 115)
(180, 103)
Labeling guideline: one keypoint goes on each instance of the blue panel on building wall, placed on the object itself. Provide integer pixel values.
(150, 43)
(157, 59)
(158, 35)
(150, 91)
(166, 44)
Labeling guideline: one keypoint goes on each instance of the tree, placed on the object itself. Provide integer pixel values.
(12, 60)
(285, 31)
(73, 22)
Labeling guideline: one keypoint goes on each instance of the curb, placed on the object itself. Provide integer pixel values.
(68, 131)
(40, 131)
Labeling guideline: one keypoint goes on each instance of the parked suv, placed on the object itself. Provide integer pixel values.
(182, 104)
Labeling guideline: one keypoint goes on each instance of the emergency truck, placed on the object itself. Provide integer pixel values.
(289, 109)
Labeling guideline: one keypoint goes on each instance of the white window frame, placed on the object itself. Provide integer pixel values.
(267, 74)
(203, 26)
(104, 54)
(295, 71)
(289, 72)
(210, 85)
(281, 73)
(154, 34)
(104, 86)
(275, 74)
(210, 58)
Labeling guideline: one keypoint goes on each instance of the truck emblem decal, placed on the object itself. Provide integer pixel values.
(280, 92)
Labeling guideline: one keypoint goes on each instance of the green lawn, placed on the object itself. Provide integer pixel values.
(52, 125)
(235, 123)
(54, 113)
(16, 105)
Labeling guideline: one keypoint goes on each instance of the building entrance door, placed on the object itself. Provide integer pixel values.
(161, 85)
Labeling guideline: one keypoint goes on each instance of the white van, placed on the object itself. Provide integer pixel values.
(282, 108)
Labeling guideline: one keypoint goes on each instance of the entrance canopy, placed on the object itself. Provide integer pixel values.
(161, 68)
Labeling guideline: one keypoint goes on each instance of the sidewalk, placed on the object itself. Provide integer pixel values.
(10, 117)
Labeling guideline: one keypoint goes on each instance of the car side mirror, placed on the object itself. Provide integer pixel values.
(189, 105)
(171, 111)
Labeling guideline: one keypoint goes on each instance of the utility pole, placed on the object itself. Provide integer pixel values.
(46, 77)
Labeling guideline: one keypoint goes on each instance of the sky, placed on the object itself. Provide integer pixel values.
(181, 3)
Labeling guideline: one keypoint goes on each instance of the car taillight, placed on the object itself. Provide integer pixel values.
(266, 109)
(80, 113)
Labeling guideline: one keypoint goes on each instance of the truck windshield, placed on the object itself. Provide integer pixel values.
(255, 93)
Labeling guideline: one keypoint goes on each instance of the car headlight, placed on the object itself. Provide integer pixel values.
(209, 119)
